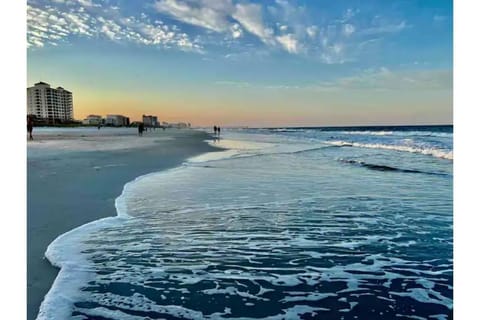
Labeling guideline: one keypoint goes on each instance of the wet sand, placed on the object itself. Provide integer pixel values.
(74, 178)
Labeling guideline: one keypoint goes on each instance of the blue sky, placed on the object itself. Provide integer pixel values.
(262, 63)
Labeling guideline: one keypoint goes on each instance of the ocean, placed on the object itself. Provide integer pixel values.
(286, 223)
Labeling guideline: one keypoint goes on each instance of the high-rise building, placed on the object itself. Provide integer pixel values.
(53, 105)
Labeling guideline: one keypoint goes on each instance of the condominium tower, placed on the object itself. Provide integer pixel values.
(53, 105)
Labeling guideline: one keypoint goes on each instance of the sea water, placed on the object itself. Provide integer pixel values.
(305, 223)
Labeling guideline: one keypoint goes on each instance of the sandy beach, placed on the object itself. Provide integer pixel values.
(74, 176)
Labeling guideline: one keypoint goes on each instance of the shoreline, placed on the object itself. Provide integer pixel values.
(68, 189)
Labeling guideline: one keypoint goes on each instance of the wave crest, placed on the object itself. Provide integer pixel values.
(437, 153)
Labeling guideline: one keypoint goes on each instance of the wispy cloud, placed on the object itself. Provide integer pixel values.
(211, 15)
(348, 15)
(289, 42)
(348, 29)
(312, 31)
(50, 25)
(219, 16)
(345, 38)
(384, 79)
(237, 84)
(384, 28)
(281, 25)
(47, 26)
(250, 17)
(439, 18)
(381, 79)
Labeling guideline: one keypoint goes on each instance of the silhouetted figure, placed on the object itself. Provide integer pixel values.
(218, 130)
(215, 129)
(30, 127)
(140, 129)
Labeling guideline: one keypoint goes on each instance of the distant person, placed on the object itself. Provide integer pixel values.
(218, 130)
(99, 126)
(215, 129)
(140, 129)
(30, 127)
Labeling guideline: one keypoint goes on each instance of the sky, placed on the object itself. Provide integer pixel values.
(248, 63)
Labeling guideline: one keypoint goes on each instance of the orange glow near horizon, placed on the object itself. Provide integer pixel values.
(208, 105)
(206, 113)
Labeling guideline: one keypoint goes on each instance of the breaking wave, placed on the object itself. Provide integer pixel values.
(442, 154)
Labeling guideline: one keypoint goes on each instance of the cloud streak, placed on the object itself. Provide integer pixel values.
(210, 15)
(384, 79)
(53, 25)
(220, 16)
(381, 79)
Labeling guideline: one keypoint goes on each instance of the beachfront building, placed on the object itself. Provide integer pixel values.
(150, 121)
(117, 120)
(50, 104)
(178, 125)
(135, 123)
(93, 120)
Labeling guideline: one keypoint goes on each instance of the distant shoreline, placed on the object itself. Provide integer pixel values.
(346, 126)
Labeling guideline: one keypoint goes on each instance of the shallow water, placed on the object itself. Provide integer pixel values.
(287, 224)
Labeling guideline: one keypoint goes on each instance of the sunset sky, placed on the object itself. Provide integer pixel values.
(248, 63)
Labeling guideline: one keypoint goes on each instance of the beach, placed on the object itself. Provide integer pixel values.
(74, 177)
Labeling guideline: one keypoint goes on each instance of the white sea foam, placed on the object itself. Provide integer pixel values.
(370, 133)
(425, 296)
(439, 316)
(237, 148)
(75, 270)
(400, 133)
(315, 296)
(139, 302)
(410, 316)
(443, 154)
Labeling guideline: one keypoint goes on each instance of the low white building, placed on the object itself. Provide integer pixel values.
(150, 121)
(116, 120)
(93, 120)
(180, 125)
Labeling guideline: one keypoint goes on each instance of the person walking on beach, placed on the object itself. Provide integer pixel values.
(218, 130)
(215, 129)
(30, 127)
(140, 129)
